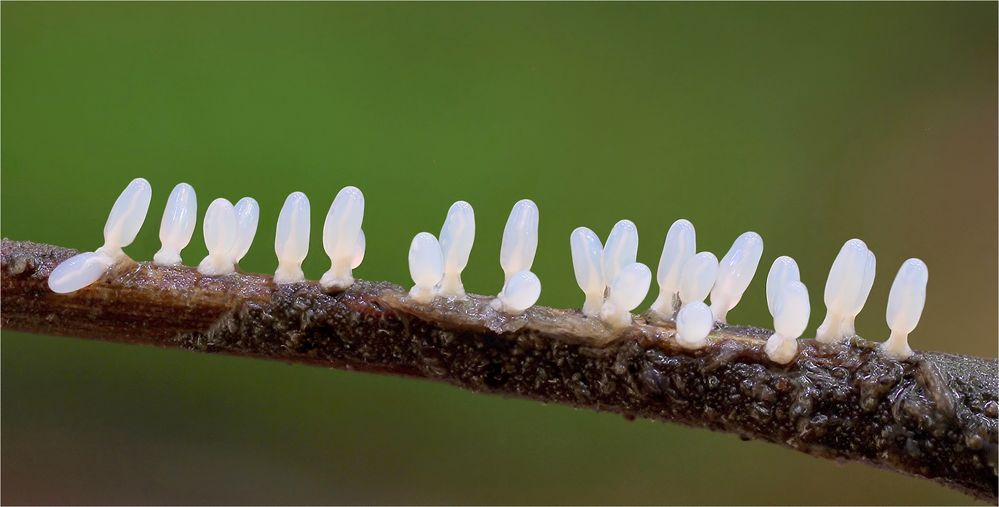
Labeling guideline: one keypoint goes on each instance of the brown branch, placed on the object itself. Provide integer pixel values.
(932, 416)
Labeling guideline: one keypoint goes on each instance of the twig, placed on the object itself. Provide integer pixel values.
(933, 416)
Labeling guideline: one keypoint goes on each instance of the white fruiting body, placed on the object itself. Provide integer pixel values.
(520, 292)
(679, 246)
(457, 237)
(220, 238)
(790, 320)
(697, 277)
(783, 270)
(247, 217)
(520, 239)
(845, 285)
(126, 217)
(693, 324)
(177, 225)
(905, 305)
(341, 236)
(123, 224)
(620, 250)
(735, 271)
(629, 288)
(426, 267)
(78, 272)
(291, 240)
(587, 265)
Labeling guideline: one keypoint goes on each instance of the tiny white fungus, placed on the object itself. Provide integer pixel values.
(735, 272)
(587, 266)
(628, 290)
(680, 245)
(426, 266)
(905, 306)
(693, 325)
(457, 237)
(342, 236)
(291, 240)
(520, 239)
(177, 225)
(220, 238)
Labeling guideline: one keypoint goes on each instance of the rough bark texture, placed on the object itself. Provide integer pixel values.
(933, 416)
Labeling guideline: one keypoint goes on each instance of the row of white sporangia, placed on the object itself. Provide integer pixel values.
(613, 283)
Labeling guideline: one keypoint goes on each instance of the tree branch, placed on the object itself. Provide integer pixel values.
(932, 416)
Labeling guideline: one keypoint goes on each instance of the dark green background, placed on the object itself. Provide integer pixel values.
(809, 123)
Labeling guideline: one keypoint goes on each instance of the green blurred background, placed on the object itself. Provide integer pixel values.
(809, 123)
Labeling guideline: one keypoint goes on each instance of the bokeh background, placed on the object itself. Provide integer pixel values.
(809, 123)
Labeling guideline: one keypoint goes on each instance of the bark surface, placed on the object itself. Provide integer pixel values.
(934, 415)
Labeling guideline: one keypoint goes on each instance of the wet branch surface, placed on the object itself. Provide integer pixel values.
(932, 416)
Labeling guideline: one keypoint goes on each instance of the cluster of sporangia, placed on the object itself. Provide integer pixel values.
(613, 282)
